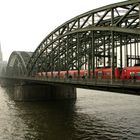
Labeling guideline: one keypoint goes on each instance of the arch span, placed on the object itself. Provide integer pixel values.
(17, 63)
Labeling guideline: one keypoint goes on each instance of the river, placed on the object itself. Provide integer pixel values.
(95, 115)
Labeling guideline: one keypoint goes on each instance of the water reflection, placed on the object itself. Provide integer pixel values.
(48, 120)
(94, 115)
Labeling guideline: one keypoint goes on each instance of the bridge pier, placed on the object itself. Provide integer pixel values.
(34, 92)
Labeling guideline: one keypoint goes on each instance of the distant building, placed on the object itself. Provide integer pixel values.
(1, 59)
(3, 64)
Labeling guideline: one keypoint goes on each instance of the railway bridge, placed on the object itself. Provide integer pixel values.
(107, 37)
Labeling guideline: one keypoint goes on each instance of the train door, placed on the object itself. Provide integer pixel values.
(100, 74)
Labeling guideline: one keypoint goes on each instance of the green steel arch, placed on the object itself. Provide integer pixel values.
(100, 37)
(17, 63)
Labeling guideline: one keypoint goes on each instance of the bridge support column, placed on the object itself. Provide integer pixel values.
(43, 92)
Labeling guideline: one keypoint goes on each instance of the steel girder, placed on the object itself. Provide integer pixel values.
(86, 40)
(17, 63)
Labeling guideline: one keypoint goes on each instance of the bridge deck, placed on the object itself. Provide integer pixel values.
(86, 83)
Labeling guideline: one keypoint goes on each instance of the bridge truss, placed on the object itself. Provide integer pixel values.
(105, 37)
(17, 63)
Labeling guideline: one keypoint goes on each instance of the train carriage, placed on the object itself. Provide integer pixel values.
(131, 73)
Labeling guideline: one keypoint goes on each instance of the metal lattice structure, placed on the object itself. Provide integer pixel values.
(17, 63)
(108, 37)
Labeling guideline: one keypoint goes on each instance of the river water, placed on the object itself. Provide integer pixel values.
(95, 115)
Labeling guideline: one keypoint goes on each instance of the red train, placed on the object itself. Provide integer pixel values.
(99, 73)
(131, 73)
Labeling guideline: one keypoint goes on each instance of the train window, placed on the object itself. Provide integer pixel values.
(100, 73)
(131, 73)
(108, 73)
(137, 73)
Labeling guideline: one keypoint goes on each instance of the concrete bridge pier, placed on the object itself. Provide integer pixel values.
(34, 92)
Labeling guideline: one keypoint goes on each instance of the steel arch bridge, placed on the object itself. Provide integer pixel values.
(17, 63)
(107, 36)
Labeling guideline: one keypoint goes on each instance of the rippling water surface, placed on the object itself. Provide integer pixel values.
(95, 115)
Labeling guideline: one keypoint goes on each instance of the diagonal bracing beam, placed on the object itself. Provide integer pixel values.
(123, 17)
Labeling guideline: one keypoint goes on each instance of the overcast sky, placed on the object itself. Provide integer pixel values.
(25, 23)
